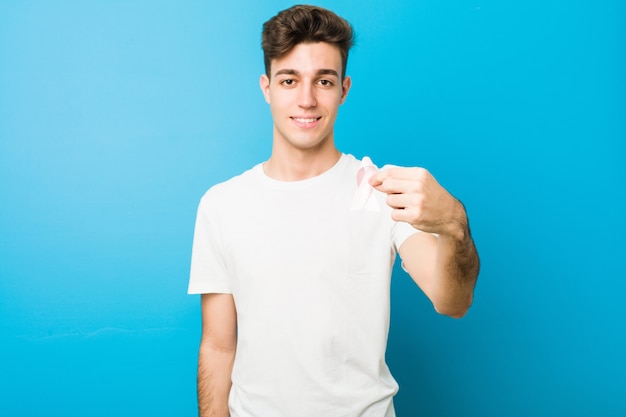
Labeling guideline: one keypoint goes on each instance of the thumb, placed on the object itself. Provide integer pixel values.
(377, 179)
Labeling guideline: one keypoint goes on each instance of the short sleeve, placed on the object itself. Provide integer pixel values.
(402, 231)
(208, 269)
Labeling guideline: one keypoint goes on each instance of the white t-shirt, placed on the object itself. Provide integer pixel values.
(311, 282)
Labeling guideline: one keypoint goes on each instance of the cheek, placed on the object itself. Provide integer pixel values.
(279, 101)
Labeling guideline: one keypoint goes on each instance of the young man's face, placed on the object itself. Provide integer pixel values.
(304, 94)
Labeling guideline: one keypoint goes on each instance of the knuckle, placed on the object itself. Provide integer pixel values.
(415, 213)
(417, 187)
(421, 173)
(417, 201)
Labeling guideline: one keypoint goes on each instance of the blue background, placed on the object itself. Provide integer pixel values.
(115, 117)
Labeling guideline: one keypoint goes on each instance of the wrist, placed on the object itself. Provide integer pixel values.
(458, 227)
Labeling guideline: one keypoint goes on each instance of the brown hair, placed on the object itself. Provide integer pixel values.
(304, 24)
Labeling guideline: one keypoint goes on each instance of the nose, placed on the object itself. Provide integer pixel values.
(306, 99)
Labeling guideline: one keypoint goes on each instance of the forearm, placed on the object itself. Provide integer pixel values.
(214, 380)
(456, 269)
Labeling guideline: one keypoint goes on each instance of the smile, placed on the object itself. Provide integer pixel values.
(306, 121)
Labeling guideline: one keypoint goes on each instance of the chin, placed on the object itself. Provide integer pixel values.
(306, 145)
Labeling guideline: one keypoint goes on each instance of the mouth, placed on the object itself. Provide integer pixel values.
(305, 122)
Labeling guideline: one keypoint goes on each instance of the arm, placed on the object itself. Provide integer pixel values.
(217, 352)
(446, 266)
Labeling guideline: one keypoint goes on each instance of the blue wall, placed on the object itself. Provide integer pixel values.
(115, 117)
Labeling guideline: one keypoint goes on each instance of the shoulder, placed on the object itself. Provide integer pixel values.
(348, 166)
(353, 164)
(231, 189)
(350, 162)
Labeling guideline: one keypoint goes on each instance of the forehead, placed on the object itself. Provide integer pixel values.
(309, 58)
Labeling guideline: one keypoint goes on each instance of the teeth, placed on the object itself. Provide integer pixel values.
(300, 120)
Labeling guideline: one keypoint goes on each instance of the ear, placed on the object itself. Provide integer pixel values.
(345, 88)
(264, 82)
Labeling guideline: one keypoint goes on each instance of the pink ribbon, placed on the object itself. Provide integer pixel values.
(363, 198)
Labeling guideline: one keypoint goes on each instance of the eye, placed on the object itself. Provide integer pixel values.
(288, 82)
(326, 83)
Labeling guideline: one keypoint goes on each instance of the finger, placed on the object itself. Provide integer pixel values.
(377, 178)
(400, 186)
(390, 186)
(388, 171)
(408, 215)
(400, 173)
(413, 173)
(404, 201)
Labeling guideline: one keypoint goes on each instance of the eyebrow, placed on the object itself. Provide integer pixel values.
(323, 71)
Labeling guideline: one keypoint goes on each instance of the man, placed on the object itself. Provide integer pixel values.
(293, 258)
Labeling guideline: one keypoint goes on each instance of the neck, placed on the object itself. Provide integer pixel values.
(298, 165)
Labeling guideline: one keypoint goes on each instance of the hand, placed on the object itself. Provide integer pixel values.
(418, 199)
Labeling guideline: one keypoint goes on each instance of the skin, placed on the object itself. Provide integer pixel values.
(217, 354)
(304, 93)
(304, 84)
(446, 266)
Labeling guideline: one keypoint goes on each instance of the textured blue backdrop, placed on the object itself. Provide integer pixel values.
(115, 117)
